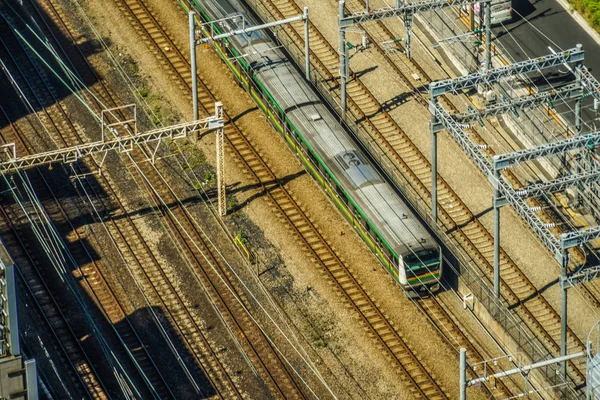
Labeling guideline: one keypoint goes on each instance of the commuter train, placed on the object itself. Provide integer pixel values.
(382, 219)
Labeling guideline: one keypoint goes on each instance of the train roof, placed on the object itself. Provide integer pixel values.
(329, 140)
(319, 128)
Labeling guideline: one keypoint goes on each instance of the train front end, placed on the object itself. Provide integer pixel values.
(420, 271)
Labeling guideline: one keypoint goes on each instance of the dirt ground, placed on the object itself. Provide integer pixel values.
(521, 244)
(344, 354)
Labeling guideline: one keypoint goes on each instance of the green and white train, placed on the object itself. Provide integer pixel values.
(400, 241)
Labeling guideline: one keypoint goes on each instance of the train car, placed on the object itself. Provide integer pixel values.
(403, 245)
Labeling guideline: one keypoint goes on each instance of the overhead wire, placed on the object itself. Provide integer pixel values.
(63, 81)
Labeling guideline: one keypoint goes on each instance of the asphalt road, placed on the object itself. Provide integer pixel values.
(539, 24)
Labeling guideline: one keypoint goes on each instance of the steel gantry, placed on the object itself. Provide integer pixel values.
(503, 191)
(567, 280)
(202, 35)
(455, 85)
(406, 11)
(502, 161)
(10, 161)
(522, 103)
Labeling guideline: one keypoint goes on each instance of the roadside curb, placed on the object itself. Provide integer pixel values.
(580, 20)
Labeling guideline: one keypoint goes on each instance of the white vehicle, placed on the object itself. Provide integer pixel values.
(501, 11)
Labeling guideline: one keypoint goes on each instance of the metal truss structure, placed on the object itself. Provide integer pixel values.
(588, 81)
(400, 9)
(559, 184)
(120, 143)
(220, 148)
(521, 103)
(502, 161)
(579, 238)
(438, 88)
(204, 36)
(406, 11)
(504, 193)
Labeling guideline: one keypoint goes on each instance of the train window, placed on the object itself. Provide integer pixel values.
(365, 224)
(341, 194)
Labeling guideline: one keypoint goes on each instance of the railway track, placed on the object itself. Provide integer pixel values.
(81, 370)
(207, 264)
(92, 275)
(422, 384)
(87, 378)
(158, 285)
(458, 222)
(265, 356)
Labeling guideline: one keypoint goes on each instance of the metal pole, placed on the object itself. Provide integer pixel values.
(488, 35)
(193, 60)
(578, 116)
(220, 148)
(343, 59)
(434, 202)
(408, 26)
(525, 368)
(496, 236)
(32, 380)
(306, 46)
(563, 315)
(463, 374)
(13, 320)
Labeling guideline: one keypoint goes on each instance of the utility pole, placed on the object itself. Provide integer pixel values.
(220, 148)
(497, 203)
(306, 46)
(434, 131)
(463, 373)
(192, 23)
(343, 59)
(488, 35)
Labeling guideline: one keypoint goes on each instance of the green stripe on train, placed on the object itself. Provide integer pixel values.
(298, 149)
